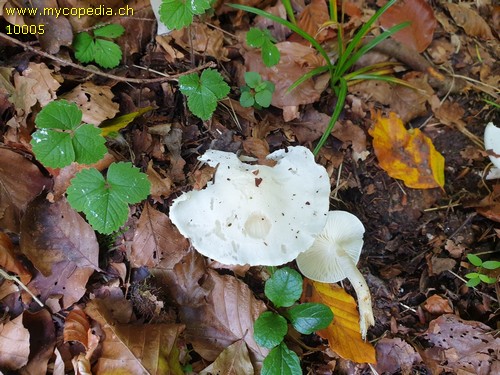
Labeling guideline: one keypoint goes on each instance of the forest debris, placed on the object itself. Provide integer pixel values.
(14, 344)
(437, 305)
(468, 19)
(234, 360)
(394, 355)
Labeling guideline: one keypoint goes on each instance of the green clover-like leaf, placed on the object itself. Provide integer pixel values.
(176, 14)
(262, 38)
(247, 99)
(253, 79)
(113, 30)
(282, 361)
(105, 201)
(62, 139)
(284, 287)
(203, 91)
(264, 98)
(106, 53)
(84, 47)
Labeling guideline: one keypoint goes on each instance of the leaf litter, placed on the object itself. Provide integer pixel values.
(201, 314)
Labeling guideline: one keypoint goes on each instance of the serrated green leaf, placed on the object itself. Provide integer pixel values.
(473, 282)
(53, 148)
(110, 31)
(84, 47)
(203, 91)
(176, 14)
(59, 114)
(487, 279)
(491, 264)
(281, 361)
(107, 54)
(246, 99)
(269, 329)
(264, 98)
(88, 144)
(253, 79)
(309, 317)
(284, 287)
(105, 202)
(256, 37)
(474, 260)
(270, 54)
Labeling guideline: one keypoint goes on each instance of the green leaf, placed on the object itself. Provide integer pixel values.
(472, 275)
(269, 329)
(110, 31)
(203, 91)
(264, 98)
(176, 14)
(310, 317)
(84, 47)
(62, 139)
(473, 282)
(474, 260)
(491, 264)
(270, 54)
(256, 37)
(247, 99)
(253, 79)
(262, 38)
(107, 54)
(105, 202)
(487, 279)
(281, 361)
(284, 287)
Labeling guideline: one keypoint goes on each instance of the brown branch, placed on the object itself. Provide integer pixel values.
(173, 77)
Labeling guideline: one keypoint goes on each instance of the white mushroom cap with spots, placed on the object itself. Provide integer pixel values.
(256, 214)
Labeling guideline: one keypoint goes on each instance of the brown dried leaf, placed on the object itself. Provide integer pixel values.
(233, 360)
(160, 186)
(156, 240)
(418, 35)
(460, 345)
(20, 182)
(489, 206)
(204, 40)
(9, 261)
(470, 21)
(96, 102)
(312, 18)
(135, 349)
(14, 344)
(395, 355)
(54, 232)
(46, 85)
(76, 328)
(437, 305)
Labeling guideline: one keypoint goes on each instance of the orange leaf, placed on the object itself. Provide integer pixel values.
(418, 35)
(343, 333)
(408, 155)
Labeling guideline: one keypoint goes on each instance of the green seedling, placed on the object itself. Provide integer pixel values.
(61, 137)
(284, 289)
(256, 92)
(176, 14)
(262, 38)
(203, 92)
(98, 48)
(348, 53)
(475, 278)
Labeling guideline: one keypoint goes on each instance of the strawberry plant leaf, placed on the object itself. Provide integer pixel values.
(110, 31)
(62, 139)
(269, 329)
(203, 91)
(106, 53)
(282, 361)
(84, 47)
(262, 38)
(176, 14)
(264, 98)
(105, 201)
(284, 287)
(310, 317)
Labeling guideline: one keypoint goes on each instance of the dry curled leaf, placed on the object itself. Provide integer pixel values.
(234, 360)
(343, 333)
(14, 344)
(408, 155)
(470, 21)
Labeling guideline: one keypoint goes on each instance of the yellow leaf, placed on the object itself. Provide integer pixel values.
(408, 155)
(343, 333)
(108, 127)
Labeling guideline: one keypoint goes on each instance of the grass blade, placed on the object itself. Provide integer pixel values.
(289, 11)
(305, 77)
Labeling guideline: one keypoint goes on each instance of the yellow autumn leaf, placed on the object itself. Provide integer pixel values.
(343, 333)
(112, 126)
(407, 155)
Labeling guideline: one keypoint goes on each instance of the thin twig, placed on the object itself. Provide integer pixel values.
(173, 77)
(20, 284)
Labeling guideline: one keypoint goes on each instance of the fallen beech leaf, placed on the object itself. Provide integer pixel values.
(202, 39)
(395, 355)
(14, 344)
(418, 35)
(46, 85)
(156, 239)
(135, 349)
(160, 186)
(470, 21)
(312, 18)
(76, 328)
(42, 341)
(233, 360)
(9, 261)
(408, 155)
(343, 333)
(437, 305)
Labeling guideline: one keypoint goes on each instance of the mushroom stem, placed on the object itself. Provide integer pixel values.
(362, 292)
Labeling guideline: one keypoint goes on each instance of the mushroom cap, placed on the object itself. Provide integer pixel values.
(256, 214)
(492, 142)
(342, 236)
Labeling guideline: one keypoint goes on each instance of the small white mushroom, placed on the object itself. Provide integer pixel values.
(162, 29)
(333, 257)
(256, 214)
(492, 143)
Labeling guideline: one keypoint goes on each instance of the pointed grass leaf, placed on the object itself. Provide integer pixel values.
(203, 91)
(176, 14)
(105, 201)
(474, 260)
(284, 287)
(61, 139)
(307, 318)
(113, 30)
(106, 53)
(84, 47)
(281, 361)
(269, 329)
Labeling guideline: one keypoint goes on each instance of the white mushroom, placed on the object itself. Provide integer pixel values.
(162, 28)
(492, 142)
(333, 257)
(256, 214)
